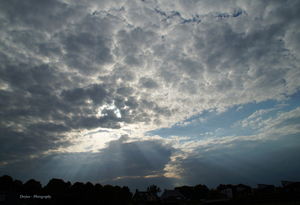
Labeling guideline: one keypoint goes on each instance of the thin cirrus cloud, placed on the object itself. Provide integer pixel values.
(157, 91)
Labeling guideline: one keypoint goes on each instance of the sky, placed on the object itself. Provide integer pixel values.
(135, 93)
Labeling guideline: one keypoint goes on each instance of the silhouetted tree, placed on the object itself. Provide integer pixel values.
(58, 190)
(8, 183)
(32, 187)
(186, 191)
(17, 184)
(223, 186)
(200, 192)
(77, 193)
(124, 195)
(89, 186)
(193, 193)
(98, 186)
(90, 193)
(214, 194)
(109, 195)
(154, 189)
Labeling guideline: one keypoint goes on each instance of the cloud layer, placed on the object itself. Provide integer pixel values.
(75, 76)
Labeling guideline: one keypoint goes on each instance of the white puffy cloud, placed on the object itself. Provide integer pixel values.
(70, 68)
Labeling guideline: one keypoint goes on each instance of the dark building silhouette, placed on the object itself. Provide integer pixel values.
(239, 190)
(144, 197)
(264, 189)
(292, 187)
(172, 197)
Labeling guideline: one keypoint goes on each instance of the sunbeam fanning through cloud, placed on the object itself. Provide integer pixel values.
(134, 93)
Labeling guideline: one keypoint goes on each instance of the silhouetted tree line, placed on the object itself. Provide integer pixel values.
(62, 192)
(65, 193)
(194, 193)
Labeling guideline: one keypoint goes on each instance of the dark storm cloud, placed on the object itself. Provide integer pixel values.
(168, 76)
(192, 68)
(84, 50)
(148, 83)
(39, 15)
(147, 104)
(140, 158)
(124, 73)
(188, 87)
(49, 127)
(159, 50)
(69, 67)
(132, 103)
(110, 121)
(132, 61)
(77, 95)
(35, 99)
(135, 40)
(97, 93)
(18, 145)
(125, 91)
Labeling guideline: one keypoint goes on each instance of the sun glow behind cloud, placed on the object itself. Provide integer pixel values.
(149, 89)
(103, 110)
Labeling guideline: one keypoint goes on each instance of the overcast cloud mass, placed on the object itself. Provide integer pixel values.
(150, 92)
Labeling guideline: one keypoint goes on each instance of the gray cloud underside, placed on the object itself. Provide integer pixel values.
(266, 157)
(157, 62)
(119, 159)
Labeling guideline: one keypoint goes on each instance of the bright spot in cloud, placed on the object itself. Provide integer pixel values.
(104, 110)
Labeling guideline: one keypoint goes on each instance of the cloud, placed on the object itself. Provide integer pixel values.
(70, 68)
(254, 118)
(121, 159)
(148, 83)
(266, 156)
